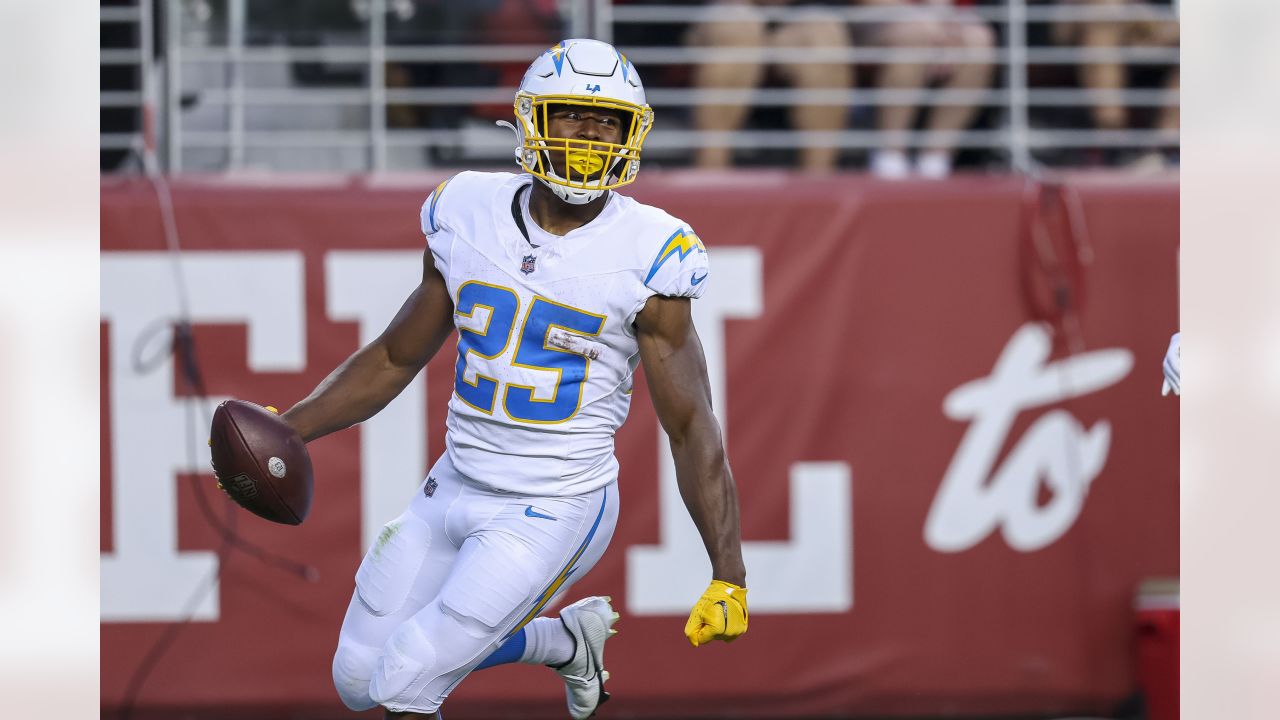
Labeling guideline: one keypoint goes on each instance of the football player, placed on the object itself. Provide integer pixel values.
(558, 286)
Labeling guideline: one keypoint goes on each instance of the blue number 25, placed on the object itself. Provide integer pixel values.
(532, 352)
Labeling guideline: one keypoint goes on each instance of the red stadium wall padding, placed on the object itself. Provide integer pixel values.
(941, 404)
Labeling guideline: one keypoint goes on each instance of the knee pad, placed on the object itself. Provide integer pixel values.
(353, 667)
(406, 661)
(427, 656)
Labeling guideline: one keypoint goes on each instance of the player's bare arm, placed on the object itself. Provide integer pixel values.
(376, 373)
(676, 372)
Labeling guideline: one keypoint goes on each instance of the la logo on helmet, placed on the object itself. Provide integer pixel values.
(593, 89)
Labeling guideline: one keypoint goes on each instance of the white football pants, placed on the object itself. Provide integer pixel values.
(452, 578)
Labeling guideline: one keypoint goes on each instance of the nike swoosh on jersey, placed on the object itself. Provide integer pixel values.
(698, 280)
(530, 512)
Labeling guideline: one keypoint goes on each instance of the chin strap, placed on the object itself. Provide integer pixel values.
(573, 196)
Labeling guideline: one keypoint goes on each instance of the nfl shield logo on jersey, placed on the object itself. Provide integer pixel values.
(528, 264)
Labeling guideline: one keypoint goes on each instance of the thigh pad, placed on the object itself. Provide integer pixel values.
(388, 571)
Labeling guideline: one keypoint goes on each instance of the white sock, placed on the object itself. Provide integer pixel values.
(934, 164)
(547, 642)
(890, 164)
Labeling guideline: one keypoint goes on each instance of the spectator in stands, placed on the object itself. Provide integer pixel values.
(1110, 78)
(448, 22)
(739, 24)
(928, 24)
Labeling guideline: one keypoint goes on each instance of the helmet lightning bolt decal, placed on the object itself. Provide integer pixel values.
(625, 68)
(680, 243)
(557, 56)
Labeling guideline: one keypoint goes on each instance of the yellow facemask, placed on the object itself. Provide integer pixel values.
(581, 164)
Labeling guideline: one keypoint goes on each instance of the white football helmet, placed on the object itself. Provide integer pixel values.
(591, 74)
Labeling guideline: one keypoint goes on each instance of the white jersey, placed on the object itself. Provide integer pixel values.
(546, 344)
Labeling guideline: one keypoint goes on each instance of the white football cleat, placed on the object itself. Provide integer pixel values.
(590, 622)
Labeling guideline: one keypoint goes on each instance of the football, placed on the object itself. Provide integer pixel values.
(261, 462)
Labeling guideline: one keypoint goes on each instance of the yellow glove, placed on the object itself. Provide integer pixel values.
(720, 614)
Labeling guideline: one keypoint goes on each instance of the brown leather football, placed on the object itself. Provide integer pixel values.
(261, 462)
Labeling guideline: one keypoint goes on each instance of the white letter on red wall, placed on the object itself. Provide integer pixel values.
(811, 572)
(1057, 450)
(145, 577)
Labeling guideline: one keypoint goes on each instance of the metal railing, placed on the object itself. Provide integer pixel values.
(364, 133)
(138, 58)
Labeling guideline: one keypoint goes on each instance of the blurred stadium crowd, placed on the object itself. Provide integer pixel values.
(897, 88)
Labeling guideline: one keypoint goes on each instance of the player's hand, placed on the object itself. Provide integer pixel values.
(720, 614)
(1173, 367)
